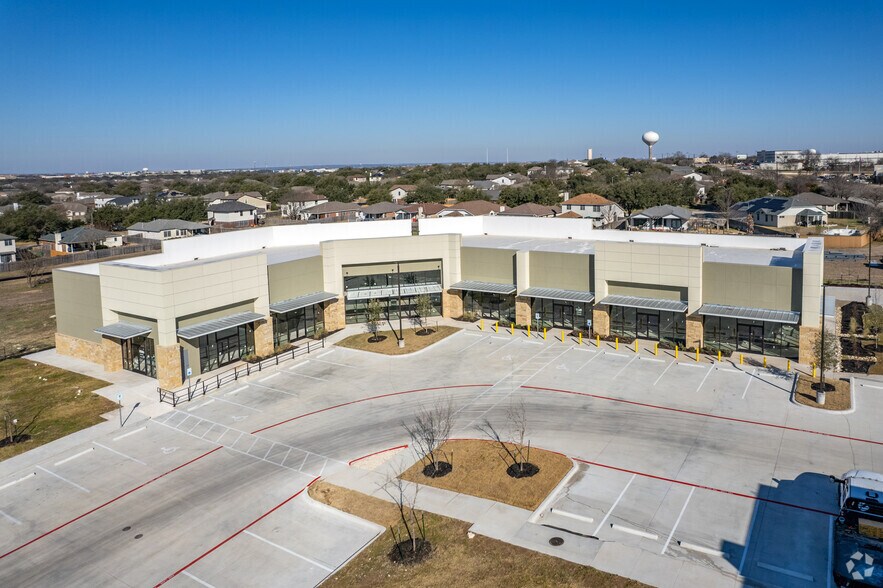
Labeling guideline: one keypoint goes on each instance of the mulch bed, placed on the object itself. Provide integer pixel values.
(438, 469)
(849, 311)
(838, 398)
(406, 554)
(522, 470)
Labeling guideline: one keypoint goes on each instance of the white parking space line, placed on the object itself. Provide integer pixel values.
(124, 435)
(197, 580)
(74, 484)
(324, 353)
(481, 339)
(119, 453)
(335, 363)
(615, 354)
(657, 360)
(534, 342)
(638, 532)
(271, 376)
(663, 373)
(701, 549)
(731, 370)
(292, 370)
(10, 518)
(14, 482)
(468, 334)
(750, 378)
(73, 457)
(232, 392)
(290, 552)
(627, 364)
(238, 404)
(691, 365)
(784, 571)
(707, 373)
(748, 537)
(501, 348)
(678, 521)
(572, 515)
(618, 498)
(206, 403)
(870, 386)
(597, 355)
(273, 389)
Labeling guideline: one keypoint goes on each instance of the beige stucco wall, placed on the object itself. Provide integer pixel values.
(647, 291)
(813, 276)
(488, 265)
(295, 278)
(754, 286)
(676, 266)
(77, 304)
(382, 251)
(566, 271)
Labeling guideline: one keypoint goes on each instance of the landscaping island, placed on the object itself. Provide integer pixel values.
(386, 342)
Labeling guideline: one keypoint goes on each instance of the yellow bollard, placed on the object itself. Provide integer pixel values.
(697, 355)
(512, 329)
(741, 359)
(764, 361)
(544, 333)
(676, 351)
(481, 324)
(718, 355)
(636, 345)
(497, 327)
(580, 338)
(656, 349)
(617, 344)
(528, 331)
(562, 336)
(597, 340)
(813, 370)
(788, 369)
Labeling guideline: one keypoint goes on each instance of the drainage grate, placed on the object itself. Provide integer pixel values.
(556, 541)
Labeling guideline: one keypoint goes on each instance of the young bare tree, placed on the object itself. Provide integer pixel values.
(422, 311)
(17, 430)
(826, 354)
(374, 314)
(514, 451)
(31, 266)
(429, 429)
(410, 544)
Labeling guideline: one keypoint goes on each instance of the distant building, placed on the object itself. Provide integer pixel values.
(665, 217)
(383, 210)
(7, 248)
(804, 210)
(80, 239)
(533, 209)
(794, 158)
(299, 199)
(251, 198)
(232, 213)
(401, 191)
(162, 229)
(472, 208)
(456, 184)
(602, 211)
(331, 211)
(73, 211)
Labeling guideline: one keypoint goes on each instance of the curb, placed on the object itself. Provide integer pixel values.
(850, 410)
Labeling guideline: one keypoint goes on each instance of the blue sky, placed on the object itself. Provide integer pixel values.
(128, 84)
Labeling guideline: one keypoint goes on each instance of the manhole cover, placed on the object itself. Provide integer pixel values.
(127, 528)
(556, 541)
(139, 536)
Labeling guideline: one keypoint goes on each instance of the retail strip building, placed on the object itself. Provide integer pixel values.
(208, 301)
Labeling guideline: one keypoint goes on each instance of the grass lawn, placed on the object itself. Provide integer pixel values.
(27, 316)
(456, 560)
(838, 399)
(479, 471)
(389, 344)
(66, 398)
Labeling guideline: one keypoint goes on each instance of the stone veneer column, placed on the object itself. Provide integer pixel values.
(452, 304)
(79, 348)
(805, 341)
(601, 321)
(334, 315)
(263, 337)
(168, 366)
(112, 350)
(694, 333)
(522, 311)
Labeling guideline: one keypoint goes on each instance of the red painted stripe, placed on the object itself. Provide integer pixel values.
(111, 501)
(712, 488)
(240, 531)
(376, 453)
(706, 415)
(389, 395)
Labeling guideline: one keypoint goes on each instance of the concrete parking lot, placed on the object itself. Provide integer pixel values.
(688, 471)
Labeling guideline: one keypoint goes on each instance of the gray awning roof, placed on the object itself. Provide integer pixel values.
(646, 303)
(213, 326)
(284, 306)
(756, 314)
(392, 291)
(489, 287)
(555, 294)
(123, 330)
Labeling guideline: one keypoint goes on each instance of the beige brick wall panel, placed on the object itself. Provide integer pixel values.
(113, 354)
(601, 321)
(79, 348)
(263, 337)
(168, 366)
(452, 304)
(694, 332)
(522, 310)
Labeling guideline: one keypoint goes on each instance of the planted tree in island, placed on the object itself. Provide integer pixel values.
(826, 354)
(428, 430)
(373, 316)
(514, 451)
(423, 310)
(410, 544)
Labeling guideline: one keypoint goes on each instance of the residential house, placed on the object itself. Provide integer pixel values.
(357, 179)
(118, 201)
(72, 211)
(172, 195)
(569, 214)
(383, 210)
(602, 211)
(297, 200)
(333, 211)
(665, 218)
(92, 196)
(80, 239)
(162, 228)
(232, 213)
(63, 195)
(251, 198)
(533, 209)
(401, 191)
(473, 208)
(422, 210)
(779, 212)
(7, 248)
(453, 184)
(491, 190)
(509, 179)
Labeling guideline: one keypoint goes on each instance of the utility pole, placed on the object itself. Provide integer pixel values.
(399, 280)
(820, 392)
(870, 241)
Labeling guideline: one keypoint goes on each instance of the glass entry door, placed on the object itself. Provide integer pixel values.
(648, 326)
(139, 356)
(562, 316)
(750, 338)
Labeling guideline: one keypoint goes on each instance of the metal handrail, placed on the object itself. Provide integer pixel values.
(201, 387)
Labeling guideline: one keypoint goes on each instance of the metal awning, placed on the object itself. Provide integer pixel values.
(213, 326)
(123, 330)
(392, 291)
(555, 294)
(756, 314)
(489, 287)
(301, 302)
(646, 303)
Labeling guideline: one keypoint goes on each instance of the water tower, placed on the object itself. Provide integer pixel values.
(650, 138)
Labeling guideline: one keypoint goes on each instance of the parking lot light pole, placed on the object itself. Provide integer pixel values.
(399, 280)
(870, 241)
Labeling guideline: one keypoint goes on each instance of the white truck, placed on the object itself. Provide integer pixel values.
(858, 531)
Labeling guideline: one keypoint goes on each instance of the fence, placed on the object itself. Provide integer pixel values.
(845, 241)
(200, 386)
(43, 263)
